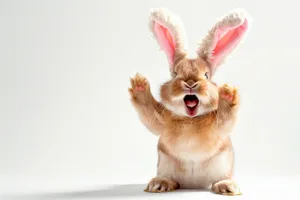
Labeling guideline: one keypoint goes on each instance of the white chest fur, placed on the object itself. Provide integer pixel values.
(196, 174)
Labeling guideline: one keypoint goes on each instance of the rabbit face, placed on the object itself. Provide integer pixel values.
(190, 92)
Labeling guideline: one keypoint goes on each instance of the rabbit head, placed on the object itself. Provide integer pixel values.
(191, 91)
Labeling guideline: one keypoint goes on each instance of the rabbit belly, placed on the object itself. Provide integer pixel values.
(196, 174)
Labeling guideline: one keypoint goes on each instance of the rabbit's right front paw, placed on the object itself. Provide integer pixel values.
(140, 89)
(158, 184)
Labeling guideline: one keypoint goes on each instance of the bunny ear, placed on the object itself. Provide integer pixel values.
(223, 38)
(169, 32)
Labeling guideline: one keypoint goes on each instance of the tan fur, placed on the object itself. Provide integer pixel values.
(190, 70)
(174, 25)
(161, 185)
(226, 187)
(193, 151)
(233, 19)
(149, 110)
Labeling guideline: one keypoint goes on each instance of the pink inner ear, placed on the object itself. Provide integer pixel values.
(165, 41)
(226, 39)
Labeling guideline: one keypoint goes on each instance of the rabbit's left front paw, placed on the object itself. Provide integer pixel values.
(229, 94)
(226, 187)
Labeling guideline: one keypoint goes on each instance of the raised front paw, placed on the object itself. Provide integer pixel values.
(226, 187)
(229, 94)
(140, 89)
(161, 185)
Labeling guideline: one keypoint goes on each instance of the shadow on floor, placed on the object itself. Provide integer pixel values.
(129, 190)
(114, 191)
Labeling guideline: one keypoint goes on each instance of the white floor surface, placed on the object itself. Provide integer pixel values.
(252, 188)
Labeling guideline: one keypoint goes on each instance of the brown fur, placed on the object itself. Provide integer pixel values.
(188, 70)
(172, 128)
(190, 140)
(150, 111)
(210, 130)
(166, 185)
(226, 187)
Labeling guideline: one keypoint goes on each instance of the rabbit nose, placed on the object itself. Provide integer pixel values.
(190, 84)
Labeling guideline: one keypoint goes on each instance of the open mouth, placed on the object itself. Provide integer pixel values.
(191, 103)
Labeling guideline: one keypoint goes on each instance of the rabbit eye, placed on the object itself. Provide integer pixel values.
(174, 74)
(206, 75)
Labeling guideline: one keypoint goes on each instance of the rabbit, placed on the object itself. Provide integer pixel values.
(195, 117)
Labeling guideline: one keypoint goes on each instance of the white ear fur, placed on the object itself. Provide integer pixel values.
(234, 20)
(172, 23)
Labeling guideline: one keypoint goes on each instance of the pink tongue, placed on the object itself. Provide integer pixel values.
(190, 103)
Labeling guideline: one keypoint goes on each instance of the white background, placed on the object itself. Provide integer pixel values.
(66, 119)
